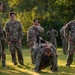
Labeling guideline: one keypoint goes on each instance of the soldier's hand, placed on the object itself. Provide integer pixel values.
(9, 42)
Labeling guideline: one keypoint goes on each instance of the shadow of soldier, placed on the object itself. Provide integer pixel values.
(11, 70)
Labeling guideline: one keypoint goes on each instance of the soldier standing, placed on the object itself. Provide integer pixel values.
(46, 56)
(2, 39)
(14, 37)
(32, 34)
(64, 41)
(70, 31)
(52, 33)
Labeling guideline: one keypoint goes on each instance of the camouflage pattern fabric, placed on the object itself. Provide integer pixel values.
(14, 34)
(70, 31)
(52, 35)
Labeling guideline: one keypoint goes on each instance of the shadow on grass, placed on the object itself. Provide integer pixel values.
(12, 70)
(66, 70)
(62, 70)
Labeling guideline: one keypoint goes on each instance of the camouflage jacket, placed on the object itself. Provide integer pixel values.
(70, 31)
(13, 31)
(1, 34)
(40, 54)
(32, 34)
(52, 33)
(62, 32)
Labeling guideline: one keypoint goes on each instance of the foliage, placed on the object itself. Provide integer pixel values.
(49, 12)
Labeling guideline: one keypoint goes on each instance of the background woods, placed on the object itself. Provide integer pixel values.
(49, 12)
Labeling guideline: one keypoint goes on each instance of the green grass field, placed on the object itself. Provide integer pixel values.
(28, 68)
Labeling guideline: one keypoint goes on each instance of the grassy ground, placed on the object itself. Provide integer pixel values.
(28, 68)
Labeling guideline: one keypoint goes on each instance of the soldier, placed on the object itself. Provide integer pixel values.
(46, 57)
(41, 42)
(70, 33)
(64, 41)
(14, 37)
(32, 34)
(52, 33)
(2, 40)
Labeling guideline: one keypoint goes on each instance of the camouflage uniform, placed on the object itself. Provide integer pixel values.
(70, 29)
(2, 43)
(53, 34)
(14, 34)
(0, 34)
(64, 41)
(32, 38)
(42, 61)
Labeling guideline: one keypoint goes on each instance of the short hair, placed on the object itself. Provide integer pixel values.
(35, 19)
(47, 50)
(1, 3)
(11, 13)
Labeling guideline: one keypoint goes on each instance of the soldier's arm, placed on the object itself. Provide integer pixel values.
(56, 33)
(40, 29)
(4, 33)
(62, 31)
(48, 33)
(1, 34)
(67, 29)
(29, 38)
(52, 47)
(7, 31)
(54, 61)
(20, 32)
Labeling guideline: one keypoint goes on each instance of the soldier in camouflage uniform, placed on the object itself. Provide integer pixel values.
(32, 34)
(2, 40)
(52, 33)
(64, 41)
(70, 31)
(45, 57)
(41, 42)
(14, 36)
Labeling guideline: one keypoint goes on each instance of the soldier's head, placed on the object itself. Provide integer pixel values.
(47, 52)
(1, 6)
(12, 15)
(35, 22)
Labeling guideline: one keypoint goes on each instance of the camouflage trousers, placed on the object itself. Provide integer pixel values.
(16, 47)
(64, 45)
(70, 54)
(42, 62)
(2, 53)
(33, 54)
(54, 42)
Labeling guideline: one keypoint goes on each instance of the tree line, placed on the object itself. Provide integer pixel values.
(53, 13)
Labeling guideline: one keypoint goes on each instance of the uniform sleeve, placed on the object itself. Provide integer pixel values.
(6, 27)
(54, 61)
(29, 38)
(53, 48)
(67, 29)
(56, 33)
(61, 31)
(1, 35)
(40, 29)
(20, 32)
(7, 31)
(4, 34)
(48, 34)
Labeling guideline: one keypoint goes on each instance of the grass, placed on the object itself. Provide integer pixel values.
(28, 69)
